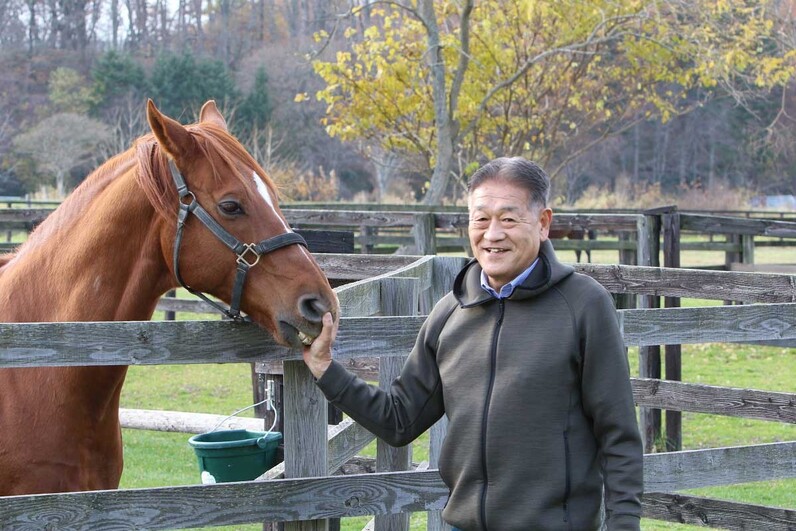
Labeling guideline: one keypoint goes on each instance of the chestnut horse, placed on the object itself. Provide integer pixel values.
(109, 253)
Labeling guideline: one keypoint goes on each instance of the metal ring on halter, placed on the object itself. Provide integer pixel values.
(188, 194)
(248, 247)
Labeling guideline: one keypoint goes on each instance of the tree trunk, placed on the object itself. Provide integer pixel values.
(115, 23)
(447, 128)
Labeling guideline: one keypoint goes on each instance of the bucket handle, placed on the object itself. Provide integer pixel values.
(262, 441)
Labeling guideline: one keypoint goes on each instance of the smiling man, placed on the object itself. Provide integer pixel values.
(525, 357)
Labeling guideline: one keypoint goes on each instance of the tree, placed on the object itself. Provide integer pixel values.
(181, 83)
(117, 77)
(455, 81)
(58, 144)
(70, 92)
(254, 111)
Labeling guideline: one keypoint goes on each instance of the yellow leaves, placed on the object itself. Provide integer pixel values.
(321, 36)
(379, 87)
(301, 96)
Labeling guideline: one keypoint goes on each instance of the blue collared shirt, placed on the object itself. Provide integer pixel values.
(508, 289)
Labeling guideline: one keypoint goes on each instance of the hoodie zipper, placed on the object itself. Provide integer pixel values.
(493, 363)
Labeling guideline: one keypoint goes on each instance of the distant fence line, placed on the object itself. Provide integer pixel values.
(384, 312)
(428, 231)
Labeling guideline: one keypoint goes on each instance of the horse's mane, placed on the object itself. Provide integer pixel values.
(70, 210)
(154, 174)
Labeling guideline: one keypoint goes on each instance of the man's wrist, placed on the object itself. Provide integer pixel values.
(319, 368)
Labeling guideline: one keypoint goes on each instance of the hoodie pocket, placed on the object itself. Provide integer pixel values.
(568, 482)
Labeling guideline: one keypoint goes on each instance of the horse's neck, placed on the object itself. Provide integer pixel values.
(103, 264)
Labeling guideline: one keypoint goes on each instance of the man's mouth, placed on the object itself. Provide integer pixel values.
(495, 250)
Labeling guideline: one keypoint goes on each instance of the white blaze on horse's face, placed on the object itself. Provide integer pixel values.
(266, 195)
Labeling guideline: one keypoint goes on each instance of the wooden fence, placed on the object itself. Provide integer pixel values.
(384, 313)
(649, 238)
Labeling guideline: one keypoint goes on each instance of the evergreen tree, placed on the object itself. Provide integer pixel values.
(254, 112)
(117, 76)
(181, 84)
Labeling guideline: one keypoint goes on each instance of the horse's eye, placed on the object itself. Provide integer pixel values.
(230, 208)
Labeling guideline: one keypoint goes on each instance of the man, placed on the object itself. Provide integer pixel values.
(526, 358)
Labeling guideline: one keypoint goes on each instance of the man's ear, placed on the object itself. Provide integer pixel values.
(545, 221)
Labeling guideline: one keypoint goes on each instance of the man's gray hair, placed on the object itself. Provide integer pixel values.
(518, 170)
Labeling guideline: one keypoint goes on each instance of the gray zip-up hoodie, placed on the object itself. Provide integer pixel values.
(537, 393)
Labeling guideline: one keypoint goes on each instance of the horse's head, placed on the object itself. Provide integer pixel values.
(284, 290)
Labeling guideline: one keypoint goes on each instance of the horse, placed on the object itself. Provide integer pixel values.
(575, 233)
(173, 209)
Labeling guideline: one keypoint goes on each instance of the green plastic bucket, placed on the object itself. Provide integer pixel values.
(234, 455)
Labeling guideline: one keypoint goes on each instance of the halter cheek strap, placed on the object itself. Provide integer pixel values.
(248, 254)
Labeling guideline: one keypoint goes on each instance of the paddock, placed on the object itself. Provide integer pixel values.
(384, 308)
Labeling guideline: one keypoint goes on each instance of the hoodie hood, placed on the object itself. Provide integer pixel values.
(548, 272)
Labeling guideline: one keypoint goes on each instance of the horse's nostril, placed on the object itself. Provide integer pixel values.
(313, 308)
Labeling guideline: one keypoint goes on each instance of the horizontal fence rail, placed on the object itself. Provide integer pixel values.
(729, 225)
(311, 498)
(714, 400)
(228, 503)
(693, 283)
(675, 326)
(722, 514)
(170, 342)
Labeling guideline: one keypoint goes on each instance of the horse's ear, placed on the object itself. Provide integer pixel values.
(210, 113)
(173, 138)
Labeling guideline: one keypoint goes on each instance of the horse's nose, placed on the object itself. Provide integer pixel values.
(313, 307)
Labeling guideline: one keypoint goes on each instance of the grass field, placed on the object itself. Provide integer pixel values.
(159, 459)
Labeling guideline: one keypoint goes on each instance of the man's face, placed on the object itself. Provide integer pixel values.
(505, 232)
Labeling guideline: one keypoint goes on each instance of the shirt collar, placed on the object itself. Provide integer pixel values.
(508, 289)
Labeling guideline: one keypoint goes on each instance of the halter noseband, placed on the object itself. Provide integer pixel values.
(242, 250)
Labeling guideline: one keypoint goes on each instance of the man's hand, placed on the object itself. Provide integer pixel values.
(318, 356)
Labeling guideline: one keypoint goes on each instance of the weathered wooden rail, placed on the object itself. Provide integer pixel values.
(408, 287)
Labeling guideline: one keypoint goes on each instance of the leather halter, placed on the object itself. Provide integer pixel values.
(248, 254)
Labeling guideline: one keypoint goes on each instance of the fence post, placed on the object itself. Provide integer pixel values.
(305, 432)
(366, 235)
(748, 248)
(671, 258)
(649, 358)
(445, 270)
(399, 296)
(424, 232)
(170, 315)
(627, 257)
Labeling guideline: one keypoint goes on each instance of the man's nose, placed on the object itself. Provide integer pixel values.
(495, 230)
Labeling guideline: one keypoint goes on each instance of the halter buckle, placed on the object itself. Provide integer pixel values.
(248, 247)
